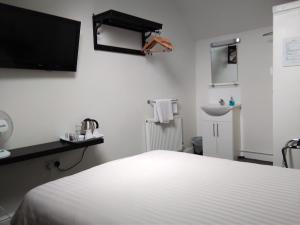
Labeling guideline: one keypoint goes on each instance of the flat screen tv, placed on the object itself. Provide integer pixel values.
(34, 40)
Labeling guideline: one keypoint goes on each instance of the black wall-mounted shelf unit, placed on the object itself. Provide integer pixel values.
(36, 151)
(125, 21)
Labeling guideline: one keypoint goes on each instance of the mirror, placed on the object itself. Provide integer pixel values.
(224, 62)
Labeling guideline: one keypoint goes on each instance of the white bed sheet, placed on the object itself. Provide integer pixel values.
(162, 187)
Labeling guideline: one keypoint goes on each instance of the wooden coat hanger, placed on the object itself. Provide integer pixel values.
(164, 42)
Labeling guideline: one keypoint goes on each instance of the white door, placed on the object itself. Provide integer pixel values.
(224, 133)
(209, 138)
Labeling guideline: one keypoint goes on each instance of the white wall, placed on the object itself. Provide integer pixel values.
(286, 84)
(213, 18)
(112, 88)
(254, 92)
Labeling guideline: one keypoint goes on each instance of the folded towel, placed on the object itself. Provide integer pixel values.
(163, 110)
(155, 113)
(175, 108)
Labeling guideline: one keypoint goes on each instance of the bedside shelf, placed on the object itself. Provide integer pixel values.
(36, 151)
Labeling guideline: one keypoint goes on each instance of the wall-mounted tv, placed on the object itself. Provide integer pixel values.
(34, 40)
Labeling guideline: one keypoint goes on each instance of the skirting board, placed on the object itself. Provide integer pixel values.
(258, 156)
(188, 150)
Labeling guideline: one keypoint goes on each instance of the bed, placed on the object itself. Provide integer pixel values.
(162, 187)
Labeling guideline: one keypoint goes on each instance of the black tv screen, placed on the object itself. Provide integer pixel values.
(35, 40)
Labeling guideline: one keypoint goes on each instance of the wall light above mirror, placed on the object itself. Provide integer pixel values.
(224, 62)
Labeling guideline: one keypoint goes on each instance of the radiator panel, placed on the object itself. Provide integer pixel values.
(164, 136)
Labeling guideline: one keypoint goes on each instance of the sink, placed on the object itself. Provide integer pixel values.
(218, 110)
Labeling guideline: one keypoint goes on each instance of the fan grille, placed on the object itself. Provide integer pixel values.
(6, 135)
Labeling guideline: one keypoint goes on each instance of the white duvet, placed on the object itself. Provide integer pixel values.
(162, 187)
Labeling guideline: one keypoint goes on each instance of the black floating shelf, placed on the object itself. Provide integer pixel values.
(125, 21)
(36, 151)
(109, 48)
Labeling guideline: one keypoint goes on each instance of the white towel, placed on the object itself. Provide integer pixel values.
(155, 113)
(163, 110)
(175, 108)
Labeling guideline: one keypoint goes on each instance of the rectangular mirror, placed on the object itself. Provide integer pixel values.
(224, 62)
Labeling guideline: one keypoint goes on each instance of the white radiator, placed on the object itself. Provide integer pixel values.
(164, 136)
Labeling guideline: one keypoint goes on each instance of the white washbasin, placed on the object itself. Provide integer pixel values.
(218, 110)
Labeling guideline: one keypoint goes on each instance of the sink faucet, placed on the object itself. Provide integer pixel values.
(221, 101)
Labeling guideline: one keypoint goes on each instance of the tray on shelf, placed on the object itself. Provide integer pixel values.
(63, 139)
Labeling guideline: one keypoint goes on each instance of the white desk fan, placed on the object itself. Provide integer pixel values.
(6, 130)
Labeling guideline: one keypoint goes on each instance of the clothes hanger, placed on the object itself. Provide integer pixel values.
(164, 42)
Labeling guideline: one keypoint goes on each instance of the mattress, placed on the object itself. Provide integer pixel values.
(162, 187)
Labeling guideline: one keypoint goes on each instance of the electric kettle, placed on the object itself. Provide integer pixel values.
(89, 124)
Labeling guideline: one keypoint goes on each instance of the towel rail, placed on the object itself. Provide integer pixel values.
(223, 84)
(153, 101)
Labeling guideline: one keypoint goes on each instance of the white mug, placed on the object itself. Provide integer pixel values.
(97, 134)
(88, 135)
(81, 138)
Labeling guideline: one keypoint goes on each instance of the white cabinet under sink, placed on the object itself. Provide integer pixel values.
(221, 135)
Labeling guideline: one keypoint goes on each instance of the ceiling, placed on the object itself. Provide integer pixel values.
(211, 18)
